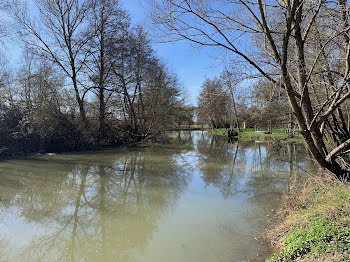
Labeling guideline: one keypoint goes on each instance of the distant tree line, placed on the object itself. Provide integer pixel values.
(89, 79)
(227, 101)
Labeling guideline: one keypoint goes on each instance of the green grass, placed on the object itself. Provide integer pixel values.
(190, 128)
(249, 134)
(318, 226)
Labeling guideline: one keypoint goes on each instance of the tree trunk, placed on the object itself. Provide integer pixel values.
(102, 107)
(235, 109)
(79, 100)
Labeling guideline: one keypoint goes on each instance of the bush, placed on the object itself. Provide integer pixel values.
(23, 131)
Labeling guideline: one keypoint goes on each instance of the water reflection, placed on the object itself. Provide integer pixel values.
(198, 199)
(78, 203)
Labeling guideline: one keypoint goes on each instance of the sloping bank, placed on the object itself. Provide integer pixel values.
(313, 223)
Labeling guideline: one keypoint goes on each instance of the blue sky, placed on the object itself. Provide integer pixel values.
(192, 65)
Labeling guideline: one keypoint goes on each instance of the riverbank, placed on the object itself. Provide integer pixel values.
(86, 143)
(249, 134)
(313, 223)
(190, 128)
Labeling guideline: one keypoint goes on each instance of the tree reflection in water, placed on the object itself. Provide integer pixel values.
(98, 208)
(107, 206)
(255, 172)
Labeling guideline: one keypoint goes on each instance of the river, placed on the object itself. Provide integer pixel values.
(198, 199)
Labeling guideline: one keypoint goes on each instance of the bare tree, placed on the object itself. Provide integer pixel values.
(230, 80)
(59, 35)
(3, 27)
(161, 97)
(116, 79)
(40, 87)
(214, 103)
(131, 57)
(277, 40)
(108, 22)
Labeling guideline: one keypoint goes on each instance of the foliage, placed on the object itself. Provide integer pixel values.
(319, 225)
(318, 239)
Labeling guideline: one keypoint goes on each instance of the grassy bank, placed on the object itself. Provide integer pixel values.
(190, 128)
(313, 223)
(249, 134)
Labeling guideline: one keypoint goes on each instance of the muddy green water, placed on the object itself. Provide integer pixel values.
(199, 199)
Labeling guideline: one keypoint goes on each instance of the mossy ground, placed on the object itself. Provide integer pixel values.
(314, 223)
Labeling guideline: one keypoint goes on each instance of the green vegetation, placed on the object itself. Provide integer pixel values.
(190, 128)
(249, 134)
(317, 227)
